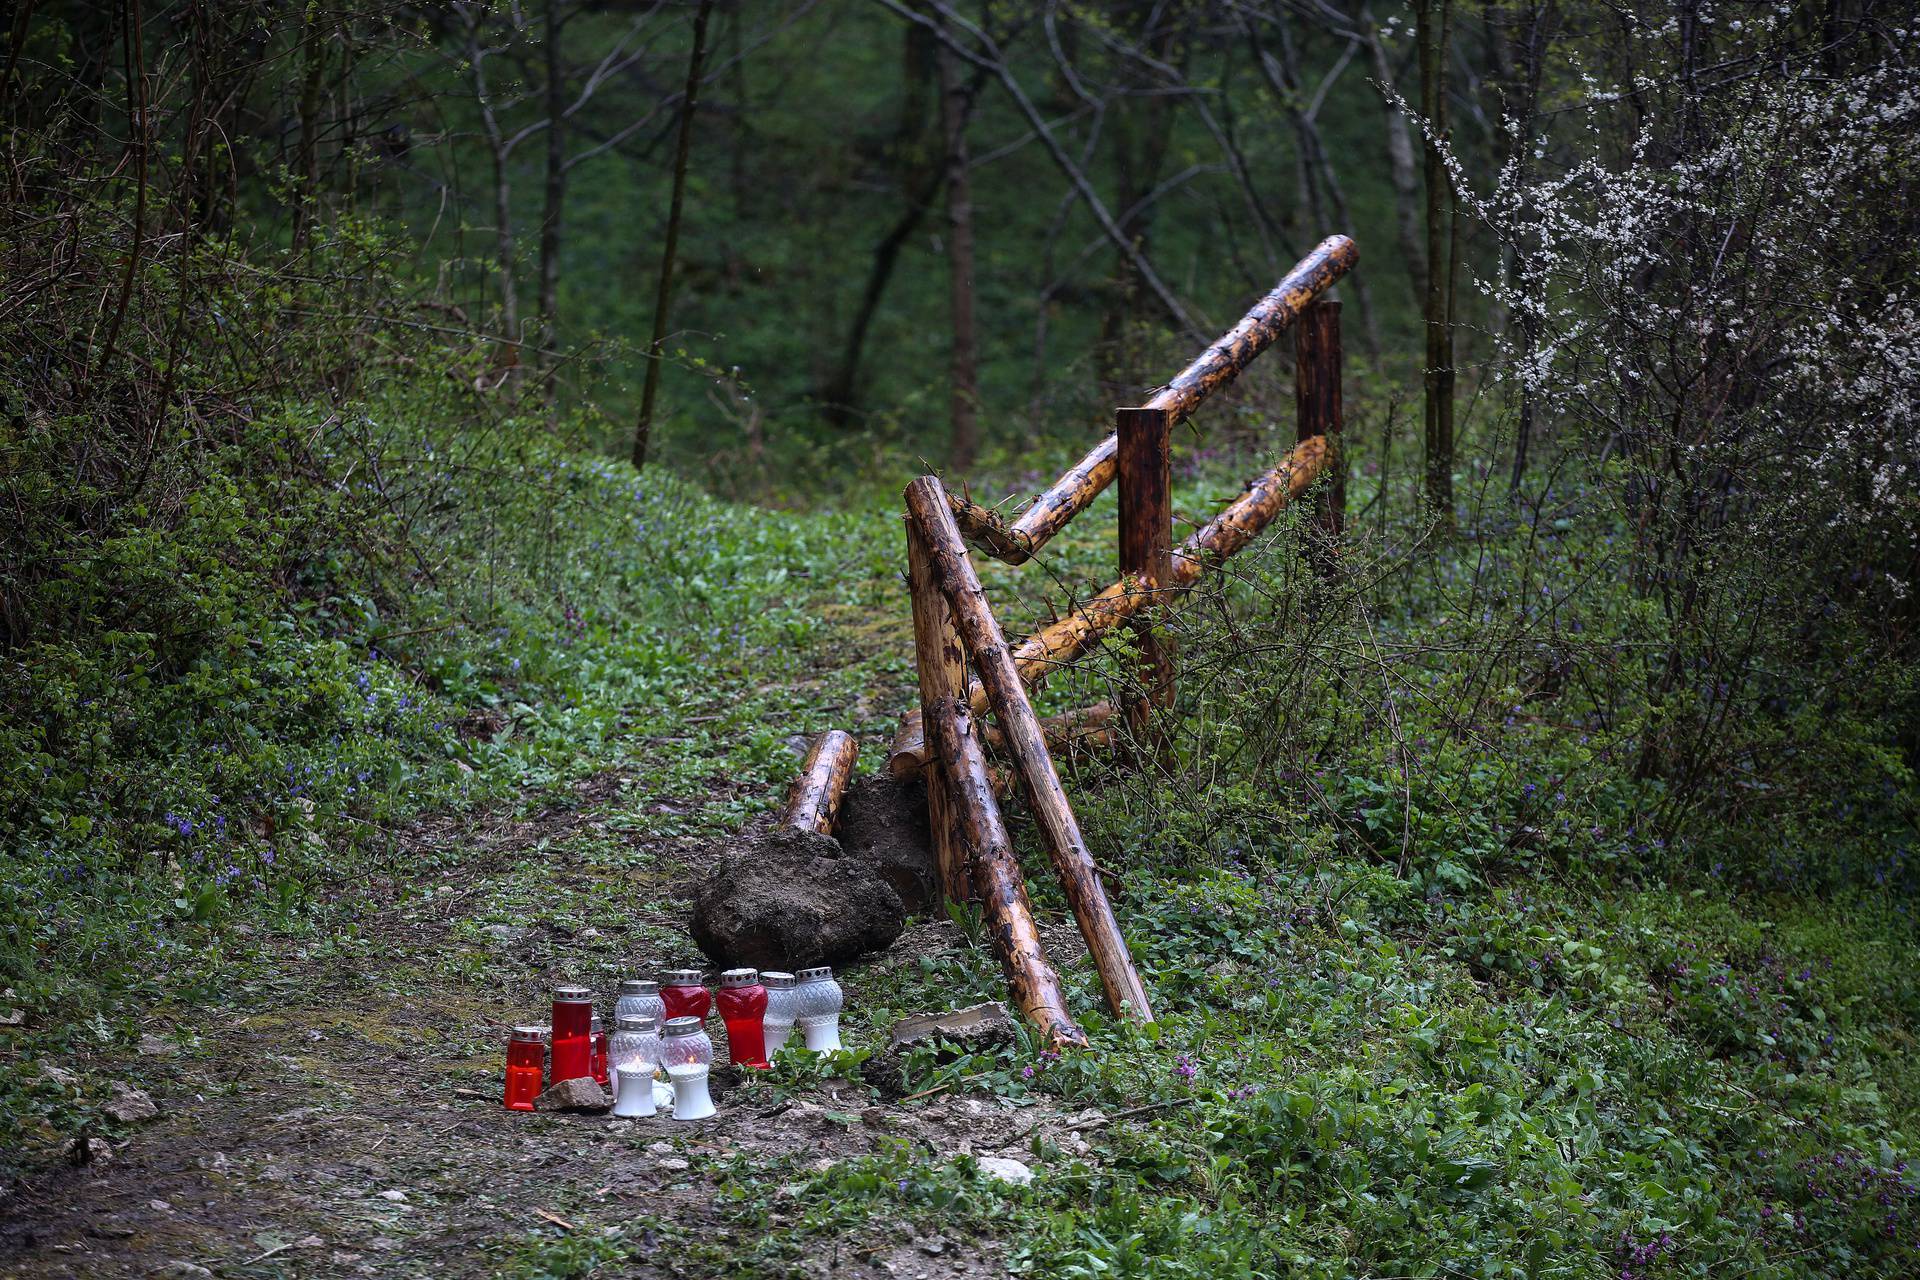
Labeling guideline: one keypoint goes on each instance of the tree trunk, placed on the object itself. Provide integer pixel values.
(1406, 184)
(1434, 29)
(643, 427)
(556, 191)
(963, 379)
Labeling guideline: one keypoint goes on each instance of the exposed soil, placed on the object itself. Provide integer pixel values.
(343, 1118)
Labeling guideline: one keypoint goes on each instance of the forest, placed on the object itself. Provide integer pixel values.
(938, 638)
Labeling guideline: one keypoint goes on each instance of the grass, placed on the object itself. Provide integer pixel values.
(1472, 1059)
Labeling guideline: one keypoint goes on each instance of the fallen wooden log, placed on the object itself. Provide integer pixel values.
(814, 801)
(947, 557)
(982, 832)
(1035, 657)
(1217, 366)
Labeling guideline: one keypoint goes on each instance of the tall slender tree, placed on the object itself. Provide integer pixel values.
(1434, 30)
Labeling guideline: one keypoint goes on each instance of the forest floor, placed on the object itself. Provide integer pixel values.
(1440, 1054)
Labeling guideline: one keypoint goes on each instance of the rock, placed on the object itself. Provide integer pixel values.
(580, 1094)
(130, 1105)
(152, 1046)
(790, 899)
(504, 934)
(394, 1194)
(673, 1164)
(178, 1270)
(883, 821)
(1005, 1170)
(932, 1246)
(59, 1076)
(976, 1027)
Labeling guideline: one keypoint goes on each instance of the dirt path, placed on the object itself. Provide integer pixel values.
(342, 1117)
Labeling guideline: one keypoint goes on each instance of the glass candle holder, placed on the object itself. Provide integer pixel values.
(684, 996)
(684, 1042)
(572, 1033)
(777, 1024)
(819, 1000)
(526, 1059)
(597, 1052)
(636, 1044)
(743, 1003)
(692, 1100)
(633, 1090)
(639, 996)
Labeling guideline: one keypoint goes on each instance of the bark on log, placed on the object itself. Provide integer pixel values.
(1220, 538)
(814, 802)
(1003, 891)
(947, 555)
(942, 667)
(1217, 366)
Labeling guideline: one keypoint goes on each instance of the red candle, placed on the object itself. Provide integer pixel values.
(597, 1052)
(572, 1033)
(684, 996)
(526, 1054)
(743, 1005)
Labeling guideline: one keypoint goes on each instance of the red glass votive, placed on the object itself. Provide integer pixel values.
(743, 1006)
(681, 991)
(572, 1033)
(526, 1055)
(597, 1052)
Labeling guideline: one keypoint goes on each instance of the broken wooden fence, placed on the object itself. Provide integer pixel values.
(954, 628)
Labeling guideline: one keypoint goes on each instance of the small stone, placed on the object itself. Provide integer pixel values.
(85, 1151)
(308, 1242)
(13, 1017)
(394, 1194)
(1005, 1170)
(673, 1164)
(579, 1094)
(130, 1105)
(152, 1046)
(159, 1206)
(178, 1270)
(505, 934)
(58, 1076)
(660, 1148)
(933, 1246)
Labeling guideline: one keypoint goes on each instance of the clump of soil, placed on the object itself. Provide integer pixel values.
(788, 899)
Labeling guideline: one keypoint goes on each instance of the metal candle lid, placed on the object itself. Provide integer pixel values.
(680, 978)
(639, 987)
(636, 1022)
(820, 974)
(598, 1026)
(774, 980)
(683, 1026)
(740, 978)
(568, 993)
(533, 1034)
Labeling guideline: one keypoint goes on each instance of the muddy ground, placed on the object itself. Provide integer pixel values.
(342, 1117)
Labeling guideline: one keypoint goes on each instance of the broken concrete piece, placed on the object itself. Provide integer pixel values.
(789, 900)
(976, 1027)
(582, 1093)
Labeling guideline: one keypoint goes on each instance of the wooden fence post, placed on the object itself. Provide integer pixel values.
(813, 803)
(1146, 542)
(1316, 395)
(942, 664)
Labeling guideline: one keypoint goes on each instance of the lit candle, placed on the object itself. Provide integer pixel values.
(572, 1033)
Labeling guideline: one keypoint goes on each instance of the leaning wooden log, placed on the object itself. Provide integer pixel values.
(942, 666)
(814, 801)
(947, 556)
(1088, 726)
(1217, 366)
(1066, 639)
(1003, 891)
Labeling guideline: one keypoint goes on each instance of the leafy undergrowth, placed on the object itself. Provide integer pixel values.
(1455, 1023)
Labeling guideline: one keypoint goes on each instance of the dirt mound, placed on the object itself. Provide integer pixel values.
(789, 899)
(884, 821)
